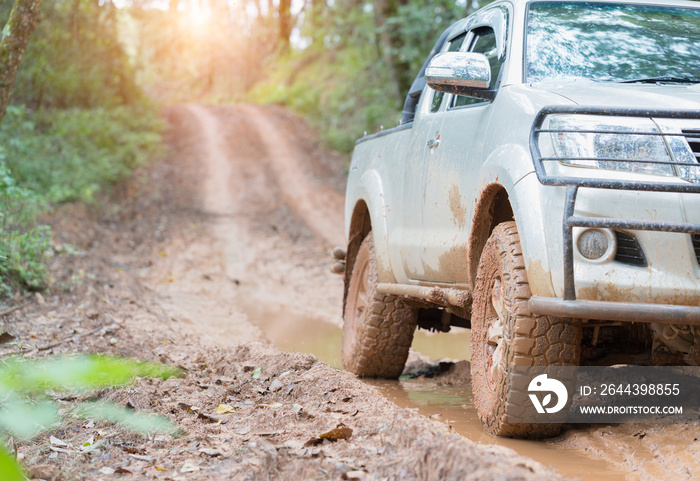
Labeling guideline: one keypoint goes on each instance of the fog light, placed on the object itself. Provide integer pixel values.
(593, 244)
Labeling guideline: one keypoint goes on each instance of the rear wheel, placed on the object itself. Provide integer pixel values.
(378, 329)
(505, 333)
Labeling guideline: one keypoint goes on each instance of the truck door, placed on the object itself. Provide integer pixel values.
(451, 165)
(409, 239)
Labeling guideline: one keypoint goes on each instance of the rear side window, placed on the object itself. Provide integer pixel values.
(484, 41)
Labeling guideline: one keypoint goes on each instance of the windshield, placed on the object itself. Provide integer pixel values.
(611, 42)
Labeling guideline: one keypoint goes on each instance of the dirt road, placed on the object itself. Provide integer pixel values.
(234, 251)
(256, 260)
(276, 207)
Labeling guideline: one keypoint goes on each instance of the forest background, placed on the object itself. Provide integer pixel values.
(85, 108)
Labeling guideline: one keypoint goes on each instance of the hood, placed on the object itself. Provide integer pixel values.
(634, 96)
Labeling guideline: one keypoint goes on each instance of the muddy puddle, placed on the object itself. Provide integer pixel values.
(303, 332)
(453, 405)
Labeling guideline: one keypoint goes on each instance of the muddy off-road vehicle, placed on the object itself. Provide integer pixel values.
(542, 189)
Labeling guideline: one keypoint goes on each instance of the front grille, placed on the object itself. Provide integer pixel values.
(696, 246)
(629, 251)
(693, 138)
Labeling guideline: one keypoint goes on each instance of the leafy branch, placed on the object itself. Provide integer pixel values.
(27, 409)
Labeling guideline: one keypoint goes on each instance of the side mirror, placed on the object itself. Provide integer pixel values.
(461, 73)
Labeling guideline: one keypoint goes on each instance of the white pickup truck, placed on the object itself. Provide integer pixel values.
(543, 190)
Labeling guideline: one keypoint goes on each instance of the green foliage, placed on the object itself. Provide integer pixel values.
(9, 469)
(415, 27)
(76, 373)
(22, 243)
(27, 409)
(71, 154)
(78, 124)
(56, 156)
(134, 421)
(355, 74)
(341, 110)
(75, 58)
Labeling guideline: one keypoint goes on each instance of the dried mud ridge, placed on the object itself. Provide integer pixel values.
(119, 300)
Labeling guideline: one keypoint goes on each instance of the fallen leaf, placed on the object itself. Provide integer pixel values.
(276, 385)
(189, 468)
(341, 431)
(56, 449)
(257, 372)
(212, 418)
(148, 459)
(269, 433)
(57, 442)
(132, 450)
(352, 475)
(125, 471)
(6, 337)
(271, 405)
(225, 409)
(91, 445)
(185, 407)
(210, 452)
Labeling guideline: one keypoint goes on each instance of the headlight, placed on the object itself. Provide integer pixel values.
(618, 143)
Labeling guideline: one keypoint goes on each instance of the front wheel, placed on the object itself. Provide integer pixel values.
(378, 329)
(505, 333)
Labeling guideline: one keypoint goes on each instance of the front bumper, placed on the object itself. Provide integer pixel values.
(612, 309)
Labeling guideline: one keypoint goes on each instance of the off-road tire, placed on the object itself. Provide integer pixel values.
(527, 339)
(378, 329)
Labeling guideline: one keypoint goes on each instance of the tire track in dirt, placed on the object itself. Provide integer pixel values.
(256, 262)
(319, 206)
(261, 260)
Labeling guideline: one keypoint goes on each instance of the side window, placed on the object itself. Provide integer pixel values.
(453, 46)
(484, 41)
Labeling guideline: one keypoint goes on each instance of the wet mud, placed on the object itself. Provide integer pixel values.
(264, 264)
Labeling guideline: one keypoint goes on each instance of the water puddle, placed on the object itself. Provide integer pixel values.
(294, 331)
(297, 332)
(453, 405)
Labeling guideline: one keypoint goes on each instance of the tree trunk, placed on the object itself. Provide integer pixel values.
(285, 23)
(384, 9)
(23, 18)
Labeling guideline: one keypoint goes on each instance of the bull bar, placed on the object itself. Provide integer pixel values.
(569, 306)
